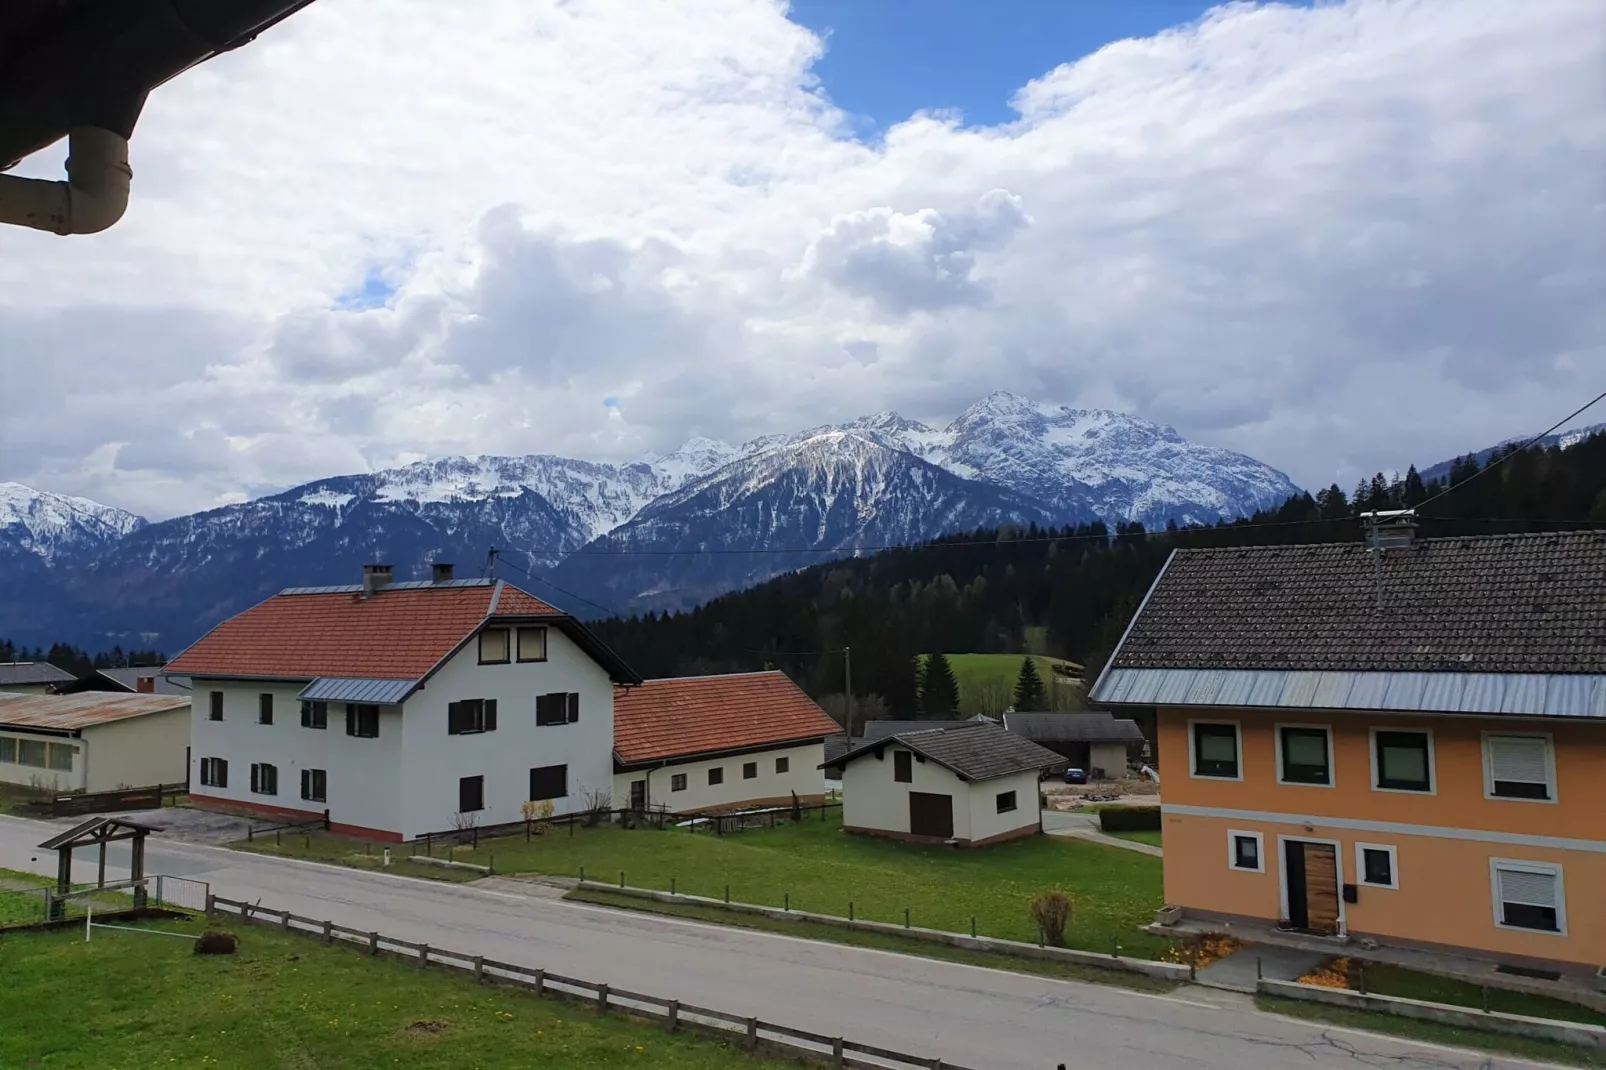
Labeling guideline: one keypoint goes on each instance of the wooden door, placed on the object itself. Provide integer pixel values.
(931, 814)
(1321, 887)
(638, 795)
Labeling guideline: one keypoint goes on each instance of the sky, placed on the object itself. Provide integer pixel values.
(1338, 237)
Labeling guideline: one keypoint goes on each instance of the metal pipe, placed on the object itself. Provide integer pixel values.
(94, 196)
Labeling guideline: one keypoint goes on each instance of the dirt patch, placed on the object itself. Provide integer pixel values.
(423, 1029)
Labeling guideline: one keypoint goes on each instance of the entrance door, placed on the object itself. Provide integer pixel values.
(638, 795)
(1311, 871)
(931, 815)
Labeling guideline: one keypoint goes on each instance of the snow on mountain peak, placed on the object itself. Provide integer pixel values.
(45, 523)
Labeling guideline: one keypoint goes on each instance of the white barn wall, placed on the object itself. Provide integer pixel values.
(985, 820)
(136, 751)
(803, 776)
(48, 779)
(871, 799)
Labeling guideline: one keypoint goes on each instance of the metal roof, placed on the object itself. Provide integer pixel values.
(1514, 694)
(1072, 727)
(348, 689)
(83, 710)
(32, 672)
(405, 585)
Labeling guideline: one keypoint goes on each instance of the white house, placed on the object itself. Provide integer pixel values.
(96, 741)
(973, 784)
(401, 708)
(706, 743)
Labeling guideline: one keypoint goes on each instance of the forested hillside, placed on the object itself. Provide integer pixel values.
(1074, 589)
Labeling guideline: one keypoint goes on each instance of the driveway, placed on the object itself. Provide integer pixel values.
(982, 1018)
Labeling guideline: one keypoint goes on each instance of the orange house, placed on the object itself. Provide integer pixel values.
(1404, 742)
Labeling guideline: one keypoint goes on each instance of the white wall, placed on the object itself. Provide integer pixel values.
(803, 776)
(433, 761)
(985, 820)
(1110, 757)
(136, 751)
(871, 799)
(363, 774)
(46, 779)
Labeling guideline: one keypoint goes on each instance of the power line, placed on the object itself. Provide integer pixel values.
(1512, 453)
(561, 590)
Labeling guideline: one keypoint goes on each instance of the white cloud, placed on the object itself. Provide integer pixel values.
(1340, 238)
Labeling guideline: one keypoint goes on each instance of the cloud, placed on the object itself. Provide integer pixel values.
(1341, 238)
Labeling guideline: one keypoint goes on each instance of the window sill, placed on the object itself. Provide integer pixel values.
(1238, 779)
(1519, 799)
(1405, 791)
(1524, 929)
(1301, 784)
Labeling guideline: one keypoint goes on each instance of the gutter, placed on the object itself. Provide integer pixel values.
(93, 197)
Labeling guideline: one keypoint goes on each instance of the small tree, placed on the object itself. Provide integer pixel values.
(1051, 913)
(1029, 691)
(467, 825)
(939, 690)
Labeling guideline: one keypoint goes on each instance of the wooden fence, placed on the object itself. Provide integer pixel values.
(835, 1051)
(153, 797)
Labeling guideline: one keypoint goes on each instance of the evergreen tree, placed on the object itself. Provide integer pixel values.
(1029, 691)
(1415, 492)
(939, 690)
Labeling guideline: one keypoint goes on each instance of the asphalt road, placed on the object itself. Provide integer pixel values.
(981, 1018)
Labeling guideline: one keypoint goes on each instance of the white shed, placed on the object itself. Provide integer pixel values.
(93, 741)
(973, 785)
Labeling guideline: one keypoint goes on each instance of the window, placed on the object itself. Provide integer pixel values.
(1376, 865)
(1005, 801)
(549, 782)
(8, 749)
(31, 752)
(560, 707)
(783, 765)
(1215, 750)
(716, 775)
(315, 785)
(470, 794)
(1402, 761)
(315, 715)
(1519, 767)
(61, 756)
(493, 646)
(214, 710)
(265, 779)
(362, 720)
(265, 708)
(677, 782)
(1304, 755)
(1528, 895)
(532, 644)
(903, 767)
(1246, 851)
(215, 772)
(470, 715)
(749, 770)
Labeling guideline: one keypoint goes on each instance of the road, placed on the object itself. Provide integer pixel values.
(976, 1017)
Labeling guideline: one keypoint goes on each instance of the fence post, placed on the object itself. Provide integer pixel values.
(284, 920)
(373, 943)
(671, 885)
(479, 968)
(540, 982)
(1484, 989)
(621, 878)
(582, 869)
(1260, 974)
(905, 917)
(490, 865)
(836, 1048)
(674, 1015)
(602, 998)
(278, 838)
(1360, 977)
(211, 904)
(850, 910)
(787, 904)
(973, 926)
(752, 1034)
(727, 894)
(328, 932)
(423, 955)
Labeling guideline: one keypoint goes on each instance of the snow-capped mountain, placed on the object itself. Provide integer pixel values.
(49, 526)
(1559, 440)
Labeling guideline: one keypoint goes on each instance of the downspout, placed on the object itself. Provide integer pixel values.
(94, 196)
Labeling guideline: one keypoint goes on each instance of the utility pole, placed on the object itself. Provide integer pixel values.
(847, 684)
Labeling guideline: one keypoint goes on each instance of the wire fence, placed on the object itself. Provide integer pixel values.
(673, 1014)
(723, 823)
(24, 907)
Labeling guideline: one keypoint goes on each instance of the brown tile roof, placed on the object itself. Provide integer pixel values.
(401, 632)
(1488, 604)
(85, 710)
(680, 717)
(972, 750)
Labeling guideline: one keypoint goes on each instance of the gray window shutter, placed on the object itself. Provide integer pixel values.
(1528, 889)
(1518, 759)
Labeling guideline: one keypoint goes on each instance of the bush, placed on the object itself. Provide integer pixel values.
(1051, 913)
(1130, 819)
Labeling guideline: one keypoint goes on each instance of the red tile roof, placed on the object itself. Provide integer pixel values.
(689, 715)
(398, 633)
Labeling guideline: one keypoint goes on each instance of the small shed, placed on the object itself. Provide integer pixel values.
(1100, 743)
(93, 741)
(970, 785)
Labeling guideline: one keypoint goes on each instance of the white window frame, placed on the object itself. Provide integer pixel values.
(1233, 835)
(1193, 763)
(1394, 863)
(1550, 769)
(1523, 865)
(1377, 769)
(1332, 757)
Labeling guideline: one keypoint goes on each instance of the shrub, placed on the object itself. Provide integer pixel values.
(1130, 819)
(1051, 912)
(216, 942)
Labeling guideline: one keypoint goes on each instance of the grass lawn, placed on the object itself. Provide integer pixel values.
(1434, 1033)
(129, 1000)
(1148, 836)
(21, 907)
(987, 681)
(1386, 980)
(1115, 892)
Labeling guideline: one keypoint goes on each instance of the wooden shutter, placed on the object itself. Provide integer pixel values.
(1519, 759)
(490, 715)
(351, 719)
(256, 777)
(306, 783)
(454, 718)
(573, 707)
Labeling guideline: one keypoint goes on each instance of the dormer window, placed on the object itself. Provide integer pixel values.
(494, 646)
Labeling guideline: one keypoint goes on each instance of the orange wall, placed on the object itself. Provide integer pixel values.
(1444, 894)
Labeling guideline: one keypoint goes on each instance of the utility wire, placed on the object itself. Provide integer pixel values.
(560, 590)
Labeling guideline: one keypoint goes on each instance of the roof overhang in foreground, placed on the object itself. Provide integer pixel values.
(1512, 694)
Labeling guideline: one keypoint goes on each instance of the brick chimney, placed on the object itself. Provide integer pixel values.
(145, 685)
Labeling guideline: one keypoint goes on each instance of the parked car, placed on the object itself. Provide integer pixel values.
(1074, 775)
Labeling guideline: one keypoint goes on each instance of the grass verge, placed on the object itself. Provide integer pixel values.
(1386, 980)
(878, 941)
(1433, 1032)
(139, 1000)
(1148, 836)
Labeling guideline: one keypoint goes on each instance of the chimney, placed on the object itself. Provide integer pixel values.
(442, 572)
(375, 578)
(145, 685)
(1389, 528)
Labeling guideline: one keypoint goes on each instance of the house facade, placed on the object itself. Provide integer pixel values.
(701, 744)
(94, 741)
(973, 784)
(401, 708)
(1406, 743)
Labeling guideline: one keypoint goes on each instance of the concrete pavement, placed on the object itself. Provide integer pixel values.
(982, 1018)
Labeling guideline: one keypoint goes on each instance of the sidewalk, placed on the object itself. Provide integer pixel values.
(1086, 827)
